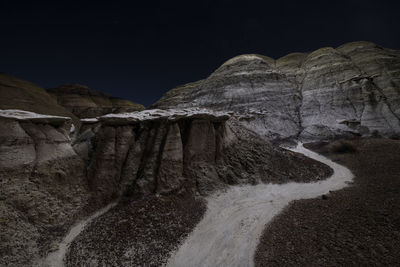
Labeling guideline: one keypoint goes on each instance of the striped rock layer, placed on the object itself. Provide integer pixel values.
(352, 89)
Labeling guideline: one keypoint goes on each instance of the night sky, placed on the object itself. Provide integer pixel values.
(139, 51)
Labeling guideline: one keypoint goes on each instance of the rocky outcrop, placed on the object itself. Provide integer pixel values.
(43, 184)
(170, 157)
(353, 89)
(195, 150)
(84, 102)
(19, 94)
(49, 181)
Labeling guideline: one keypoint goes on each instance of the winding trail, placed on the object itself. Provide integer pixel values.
(56, 258)
(235, 219)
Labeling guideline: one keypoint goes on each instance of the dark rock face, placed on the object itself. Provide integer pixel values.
(152, 156)
(84, 102)
(170, 179)
(353, 89)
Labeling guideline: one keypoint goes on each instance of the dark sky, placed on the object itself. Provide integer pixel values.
(139, 51)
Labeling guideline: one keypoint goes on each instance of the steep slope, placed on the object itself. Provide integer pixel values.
(84, 102)
(19, 94)
(354, 88)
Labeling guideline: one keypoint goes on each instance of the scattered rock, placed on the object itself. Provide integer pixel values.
(357, 225)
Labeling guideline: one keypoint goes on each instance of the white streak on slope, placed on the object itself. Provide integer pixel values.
(230, 230)
(56, 258)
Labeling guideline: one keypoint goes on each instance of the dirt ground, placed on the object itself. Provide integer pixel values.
(355, 226)
(137, 232)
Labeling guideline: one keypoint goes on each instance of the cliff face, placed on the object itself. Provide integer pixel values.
(354, 88)
(84, 102)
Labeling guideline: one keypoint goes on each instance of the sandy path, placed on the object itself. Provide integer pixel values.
(56, 258)
(230, 230)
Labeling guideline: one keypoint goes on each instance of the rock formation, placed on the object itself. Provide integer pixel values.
(19, 94)
(353, 89)
(49, 181)
(74, 101)
(164, 151)
(84, 102)
(169, 154)
(50, 177)
(43, 184)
